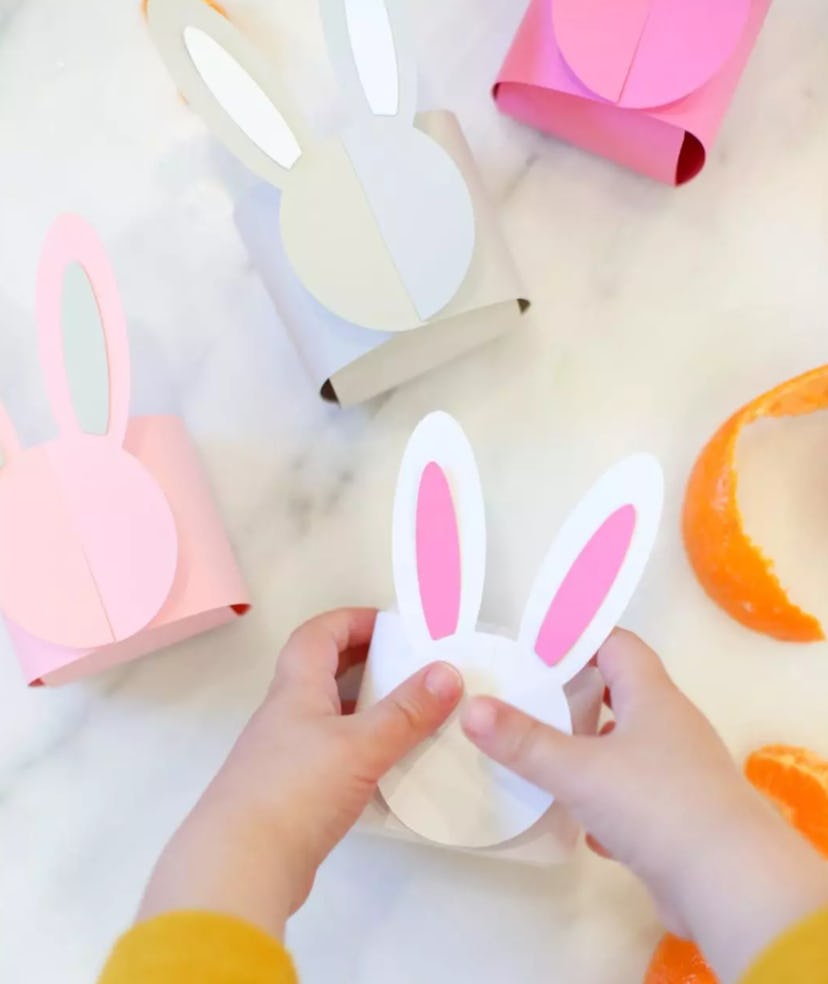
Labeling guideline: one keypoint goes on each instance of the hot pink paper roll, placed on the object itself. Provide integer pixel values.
(112, 545)
(645, 83)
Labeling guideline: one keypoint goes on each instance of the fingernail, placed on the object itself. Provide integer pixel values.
(480, 718)
(443, 681)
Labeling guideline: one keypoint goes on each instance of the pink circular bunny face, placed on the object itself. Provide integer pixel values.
(89, 543)
(646, 53)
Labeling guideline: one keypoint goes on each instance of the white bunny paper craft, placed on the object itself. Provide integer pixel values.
(446, 791)
(377, 222)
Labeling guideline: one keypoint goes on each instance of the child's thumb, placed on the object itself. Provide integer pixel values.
(542, 755)
(394, 726)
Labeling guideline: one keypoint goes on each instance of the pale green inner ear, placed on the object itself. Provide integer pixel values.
(84, 351)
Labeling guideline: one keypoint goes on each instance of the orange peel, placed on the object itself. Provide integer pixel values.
(731, 568)
(796, 782)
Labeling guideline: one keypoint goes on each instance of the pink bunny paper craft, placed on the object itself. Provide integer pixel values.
(446, 791)
(645, 83)
(112, 544)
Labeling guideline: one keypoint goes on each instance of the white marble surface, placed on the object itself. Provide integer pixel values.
(656, 313)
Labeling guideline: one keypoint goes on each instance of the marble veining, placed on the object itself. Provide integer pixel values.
(656, 312)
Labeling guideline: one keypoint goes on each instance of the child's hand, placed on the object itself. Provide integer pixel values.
(659, 792)
(299, 777)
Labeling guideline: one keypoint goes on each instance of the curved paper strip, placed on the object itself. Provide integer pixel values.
(648, 53)
(731, 568)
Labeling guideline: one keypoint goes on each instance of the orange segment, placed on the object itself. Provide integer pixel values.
(731, 568)
(796, 781)
(678, 962)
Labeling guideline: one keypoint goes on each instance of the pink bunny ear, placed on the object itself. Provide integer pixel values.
(585, 587)
(593, 568)
(71, 240)
(439, 532)
(438, 553)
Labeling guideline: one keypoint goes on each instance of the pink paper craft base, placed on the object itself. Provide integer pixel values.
(207, 591)
(670, 143)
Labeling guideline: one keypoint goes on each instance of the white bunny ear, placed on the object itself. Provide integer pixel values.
(370, 46)
(592, 569)
(230, 83)
(439, 533)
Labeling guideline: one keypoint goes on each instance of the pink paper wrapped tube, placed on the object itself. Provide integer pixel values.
(112, 545)
(645, 83)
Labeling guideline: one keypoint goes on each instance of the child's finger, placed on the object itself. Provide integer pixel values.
(546, 757)
(630, 669)
(397, 724)
(312, 654)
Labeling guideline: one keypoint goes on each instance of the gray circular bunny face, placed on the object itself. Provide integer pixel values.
(375, 224)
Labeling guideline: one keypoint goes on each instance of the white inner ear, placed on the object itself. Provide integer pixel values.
(242, 98)
(372, 42)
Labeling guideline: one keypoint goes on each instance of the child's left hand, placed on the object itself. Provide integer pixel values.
(297, 780)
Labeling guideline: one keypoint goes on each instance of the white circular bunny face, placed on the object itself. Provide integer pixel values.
(447, 791)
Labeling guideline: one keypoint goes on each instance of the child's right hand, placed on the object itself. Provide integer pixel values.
(659, 792)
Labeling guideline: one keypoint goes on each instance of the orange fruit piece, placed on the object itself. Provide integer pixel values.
(678, 961)
(796, 781)
(731, 568)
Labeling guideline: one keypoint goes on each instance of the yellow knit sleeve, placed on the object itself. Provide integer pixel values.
(799, 956)
(197, 948)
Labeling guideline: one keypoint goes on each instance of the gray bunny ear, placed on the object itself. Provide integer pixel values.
(370, 46)
(230, 84)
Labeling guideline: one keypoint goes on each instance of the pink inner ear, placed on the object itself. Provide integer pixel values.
(585, 587)
(438, 553)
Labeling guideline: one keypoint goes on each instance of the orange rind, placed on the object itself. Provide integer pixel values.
(796, 782)
(731, 568)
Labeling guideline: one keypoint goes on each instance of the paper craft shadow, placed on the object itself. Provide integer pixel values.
(384, 229)
(112, 545)
(646, 83)
(448, 792)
